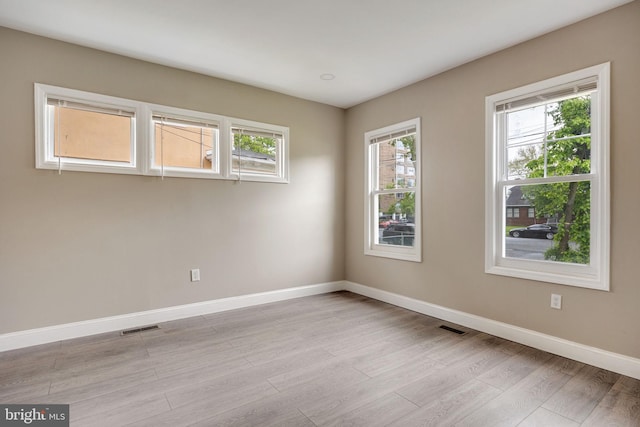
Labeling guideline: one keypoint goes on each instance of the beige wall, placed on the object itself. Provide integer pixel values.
(81, 246)
(451, 106)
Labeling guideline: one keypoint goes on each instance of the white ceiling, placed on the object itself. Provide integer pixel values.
(371, 46)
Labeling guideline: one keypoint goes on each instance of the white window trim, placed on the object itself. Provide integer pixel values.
(187, 115)
(144, 142)
(371, 224)
(282, 151)
(596, 274)
(44, 141)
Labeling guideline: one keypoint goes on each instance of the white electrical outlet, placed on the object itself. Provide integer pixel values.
(556, 301)
(195, 275)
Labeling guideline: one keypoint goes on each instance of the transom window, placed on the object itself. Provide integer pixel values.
(549, 142)
(75, 133)
(185, 144)
(393, 219)
(258, 152)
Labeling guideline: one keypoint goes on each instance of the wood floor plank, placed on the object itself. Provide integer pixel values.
(381, 362)
(542, 383)
(28, 365)
(311, 373)
(463, 349)
(219, 389)
(278, 408)
(378, 413)
(114, 400)
(564, 365)
(467, 368)
(211, 402)
(582, 393)
(450, 407)
(263, 419)
(514, 369)
(135, 411)
(545, 418)
(616, 409)
(518, 402)
(628, 385)
(95, 389)
(507, 410)
(24, 390)
(347, 399)
(76, 379)
(96, 355)
(203, 360)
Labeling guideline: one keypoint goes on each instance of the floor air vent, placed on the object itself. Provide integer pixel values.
(454, 330)
(142, 329)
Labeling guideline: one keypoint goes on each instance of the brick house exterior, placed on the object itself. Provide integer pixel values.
(520, 211)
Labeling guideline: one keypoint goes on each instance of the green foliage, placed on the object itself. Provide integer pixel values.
(518, 166)
(409, 143)
(569, 202)
(257, 144)
(405, 206)
(566, 156)
(408, 204)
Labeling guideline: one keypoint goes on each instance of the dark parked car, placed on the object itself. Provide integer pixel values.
(401, 233)
(539, 231)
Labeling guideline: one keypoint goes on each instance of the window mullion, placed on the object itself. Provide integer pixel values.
(550, 179)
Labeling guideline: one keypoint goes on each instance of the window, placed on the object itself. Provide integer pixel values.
(513, 212)
(184, 143)
(259, 151)
(551, 141)
(80, 131)
(392, 209)
(83, 131)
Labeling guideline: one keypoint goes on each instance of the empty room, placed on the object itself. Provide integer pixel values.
(339, 213)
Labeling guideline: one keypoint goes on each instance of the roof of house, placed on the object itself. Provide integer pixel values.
(516, 198)
(253, 155)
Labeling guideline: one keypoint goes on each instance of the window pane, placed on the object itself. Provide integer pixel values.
(184, 146)
(561, 229)
(552, 139)
(81, 134)
(397, 219)
(396, 163)
(519, 158)
(254, 154)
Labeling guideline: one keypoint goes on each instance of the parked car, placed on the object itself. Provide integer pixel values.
(539, 231)
(401, 233)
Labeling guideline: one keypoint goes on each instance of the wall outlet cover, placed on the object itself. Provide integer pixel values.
(556, 301)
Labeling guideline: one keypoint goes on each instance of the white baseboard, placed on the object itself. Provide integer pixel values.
(66, 331)
(615, 362)
(591, 355)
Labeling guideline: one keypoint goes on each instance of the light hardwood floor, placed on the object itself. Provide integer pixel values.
(338, 359)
